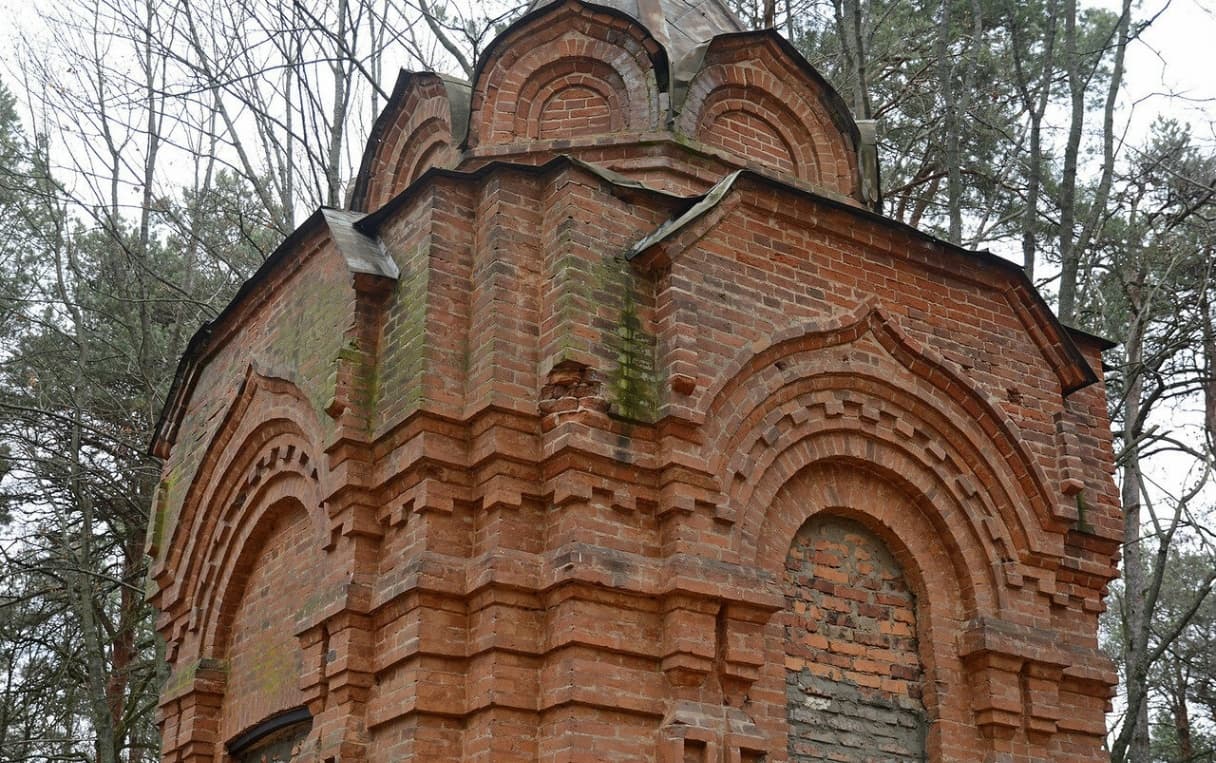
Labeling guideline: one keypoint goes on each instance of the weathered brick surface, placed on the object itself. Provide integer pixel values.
(263, 658)
(853, 673)
(750, 99)
(569, 481)
(412, 135)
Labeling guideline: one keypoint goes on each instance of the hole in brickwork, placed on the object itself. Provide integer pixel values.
(853, 671)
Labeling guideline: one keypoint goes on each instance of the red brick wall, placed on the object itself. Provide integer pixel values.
(575, 110)
(752, 136)
(853, 674)
(783, 117)
(555, 558)
(264, 658)
(555, 490)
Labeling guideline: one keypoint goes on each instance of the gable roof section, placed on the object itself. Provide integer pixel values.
(1053, 338)
(364, 255)
(731, 44)
(536, 23)
(458, 94)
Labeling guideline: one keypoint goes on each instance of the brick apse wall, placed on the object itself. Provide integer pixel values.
(610, 422)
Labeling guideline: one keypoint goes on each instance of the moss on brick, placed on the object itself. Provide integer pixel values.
(634, 389)
(308, 340)
(400, 371)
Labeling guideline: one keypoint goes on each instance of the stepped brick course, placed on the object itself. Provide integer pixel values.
(612, 423)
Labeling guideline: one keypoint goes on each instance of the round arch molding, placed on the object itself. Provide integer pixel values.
(246, 553)
(268, 433)
(852, 419)
(411, 135)
(608, 59)
(859, 383)
(757, 98)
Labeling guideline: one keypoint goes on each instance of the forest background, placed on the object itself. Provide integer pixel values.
(154, 152)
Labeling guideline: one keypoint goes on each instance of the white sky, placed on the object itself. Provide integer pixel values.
(1177, 55)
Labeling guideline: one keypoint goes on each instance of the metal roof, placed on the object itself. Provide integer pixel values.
(682, 26)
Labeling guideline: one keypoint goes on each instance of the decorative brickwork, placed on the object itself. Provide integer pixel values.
(750, 100)
(263, 660)
(604, 54)
(550, 449)
(413, 134)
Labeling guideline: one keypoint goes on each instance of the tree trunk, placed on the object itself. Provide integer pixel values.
(337, 129)
(1069, 263)
(1208, 319)
(950, 116)
(1132, 743)
(1036, 106)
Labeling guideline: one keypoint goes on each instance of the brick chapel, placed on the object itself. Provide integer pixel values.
(612, 422)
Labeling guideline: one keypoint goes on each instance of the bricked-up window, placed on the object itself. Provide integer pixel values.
(275, 740)
(853, 672)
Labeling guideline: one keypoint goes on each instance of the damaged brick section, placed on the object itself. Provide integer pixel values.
(853, 673)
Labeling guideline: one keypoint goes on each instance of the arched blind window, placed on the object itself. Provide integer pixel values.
(274, 740)
(853, 670)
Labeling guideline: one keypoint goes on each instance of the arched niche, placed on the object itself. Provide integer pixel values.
(853, 419)
(857, 386)
(411, 135)
(266, 439)
(854, 673)
(867, 637)
(278, 739)
(566, 70)
(271, 591)
(755, 98)
(572, 97)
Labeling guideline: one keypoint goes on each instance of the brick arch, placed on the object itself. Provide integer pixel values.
(544, 116)
(559, 45)
(854, 672)
(434, 149)
(253, 629)
(751, 122)
(941, 512)
(257, 474)
(411, 135)
(273, 482)
(913, 400)
(759, 75)
(268, 433)
(850, 491)
(281, 480)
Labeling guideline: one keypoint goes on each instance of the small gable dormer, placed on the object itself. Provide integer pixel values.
(567, 70)
(420, 128)
(757, 98)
